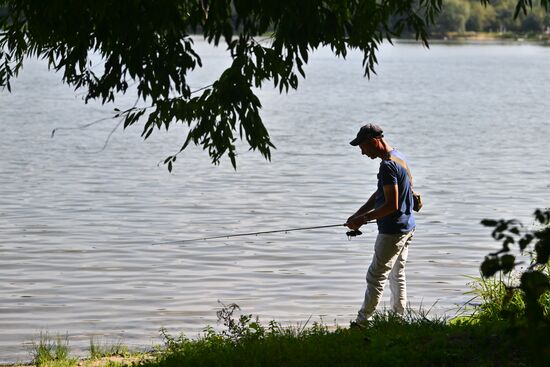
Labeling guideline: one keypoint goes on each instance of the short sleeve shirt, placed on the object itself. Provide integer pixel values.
(392, 173)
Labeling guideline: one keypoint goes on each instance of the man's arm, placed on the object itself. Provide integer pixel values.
(356, 220)
(367, 207)
(390, 205)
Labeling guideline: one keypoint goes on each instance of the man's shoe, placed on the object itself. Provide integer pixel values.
(358, 325)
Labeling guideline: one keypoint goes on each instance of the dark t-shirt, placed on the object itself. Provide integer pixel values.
(392, 173)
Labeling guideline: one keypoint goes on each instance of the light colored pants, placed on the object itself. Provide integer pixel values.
(390, 256)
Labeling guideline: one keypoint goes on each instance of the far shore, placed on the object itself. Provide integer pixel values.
(489, 38)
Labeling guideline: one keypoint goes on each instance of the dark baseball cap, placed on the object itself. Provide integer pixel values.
(369, 131)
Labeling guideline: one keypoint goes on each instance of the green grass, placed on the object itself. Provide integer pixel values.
(387, 341)
(99, 349)
(497, 297)
(49, 351)
(500, 298)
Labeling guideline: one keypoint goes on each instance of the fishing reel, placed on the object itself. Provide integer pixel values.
(353, 233)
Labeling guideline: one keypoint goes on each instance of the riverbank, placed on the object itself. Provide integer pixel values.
(485, 38)
(490, 37)
(386, 341)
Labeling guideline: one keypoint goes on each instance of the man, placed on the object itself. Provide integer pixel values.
(391, 206)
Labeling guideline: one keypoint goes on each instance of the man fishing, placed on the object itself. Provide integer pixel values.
(391, 205)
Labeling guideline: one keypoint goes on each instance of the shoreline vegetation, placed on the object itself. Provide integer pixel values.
(485, 38)
(387, 340)
(477, 336)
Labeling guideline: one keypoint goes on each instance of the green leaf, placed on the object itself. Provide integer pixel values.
(525, 241)
(507, 263)
(542, 250)
(542, 217)
(489, 222)
(490, 266)
(162, 59)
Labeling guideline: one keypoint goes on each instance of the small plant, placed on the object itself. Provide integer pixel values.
(172, 345)
(99, 350)
(534, 282)
(245, 327)
(499, 297)
(49, 351)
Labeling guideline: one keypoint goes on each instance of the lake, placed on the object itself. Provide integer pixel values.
(80, 226)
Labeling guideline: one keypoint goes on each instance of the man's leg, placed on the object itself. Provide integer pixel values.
(386, 250)
(398, 281)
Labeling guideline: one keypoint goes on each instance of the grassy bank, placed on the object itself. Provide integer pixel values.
(386, 341)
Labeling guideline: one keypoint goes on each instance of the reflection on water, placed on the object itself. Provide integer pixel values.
(77, 226)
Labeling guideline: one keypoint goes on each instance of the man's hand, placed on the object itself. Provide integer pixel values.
(363, 215)
(355, 221)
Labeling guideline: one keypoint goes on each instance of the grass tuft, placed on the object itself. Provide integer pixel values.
(100, 349)
(501, 298)
(49, 351)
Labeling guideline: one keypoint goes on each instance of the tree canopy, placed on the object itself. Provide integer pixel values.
(473, 16)
(148, 42)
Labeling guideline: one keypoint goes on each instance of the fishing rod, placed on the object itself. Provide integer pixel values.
(350, 234)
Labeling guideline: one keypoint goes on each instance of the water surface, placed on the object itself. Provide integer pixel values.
(77, 224)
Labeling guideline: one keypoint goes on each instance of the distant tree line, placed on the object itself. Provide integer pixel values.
(471, 16)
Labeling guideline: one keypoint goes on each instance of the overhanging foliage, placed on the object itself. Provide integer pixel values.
(148, 42)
